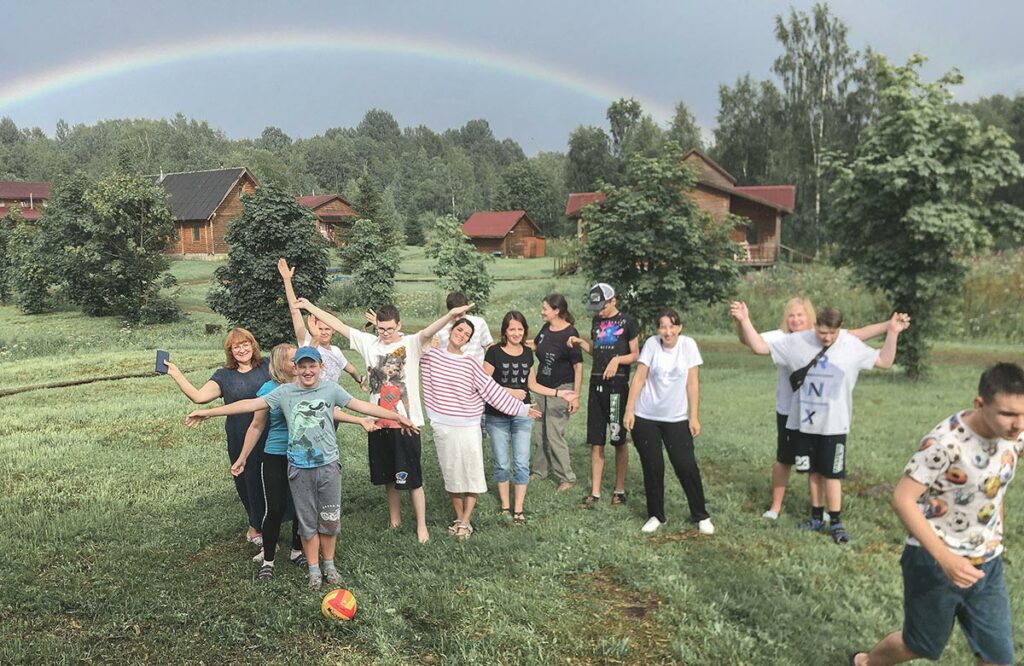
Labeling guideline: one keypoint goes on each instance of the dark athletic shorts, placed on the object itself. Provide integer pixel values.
(931, 603)
(394, 458)
(606, 403)
(785, 447)
(824, 454)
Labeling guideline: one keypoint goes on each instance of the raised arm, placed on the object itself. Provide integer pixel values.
(635, 386)
(298, 325)
(693, 399)
(324, 316)
(432, 330)
(748, 334)
(897, 324)
(252, 437)
(865, 333)
(238, 407)
(200, 396)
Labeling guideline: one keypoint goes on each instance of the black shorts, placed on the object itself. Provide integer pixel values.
(605, 406)
(785, 446)
(394, 458)
(823, 454)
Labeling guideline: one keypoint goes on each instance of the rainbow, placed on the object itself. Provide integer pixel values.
(108, 65)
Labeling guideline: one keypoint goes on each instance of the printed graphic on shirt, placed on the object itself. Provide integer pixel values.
(387, 386)
(823, 383)
(311, 429)
(608, 333)
(611, 338)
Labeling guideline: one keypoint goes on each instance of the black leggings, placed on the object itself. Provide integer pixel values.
(274, 472)
(248, 484)
(648, 436)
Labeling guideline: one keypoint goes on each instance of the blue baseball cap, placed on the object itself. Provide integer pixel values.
(306, 352)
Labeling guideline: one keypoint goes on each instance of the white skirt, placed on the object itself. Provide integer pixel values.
(460, 454)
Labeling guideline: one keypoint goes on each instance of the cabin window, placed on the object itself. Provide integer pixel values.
(752, 238)
(195, 232)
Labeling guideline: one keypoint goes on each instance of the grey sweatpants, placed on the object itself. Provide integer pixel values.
(316, 494)
(550, 451)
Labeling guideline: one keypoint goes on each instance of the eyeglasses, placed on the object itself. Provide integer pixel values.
(385, 331)
(238, 346)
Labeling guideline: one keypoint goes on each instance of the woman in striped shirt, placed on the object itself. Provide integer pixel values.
(455, 388)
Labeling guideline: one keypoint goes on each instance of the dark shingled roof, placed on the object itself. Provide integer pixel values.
(195, 195)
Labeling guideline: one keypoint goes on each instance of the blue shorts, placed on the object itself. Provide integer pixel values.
(931, 603)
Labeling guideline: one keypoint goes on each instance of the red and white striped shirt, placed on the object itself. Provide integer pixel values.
(455, 388)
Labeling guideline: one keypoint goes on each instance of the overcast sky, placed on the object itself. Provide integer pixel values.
(533, 69)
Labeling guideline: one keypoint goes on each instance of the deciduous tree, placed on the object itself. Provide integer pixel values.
(458, 266)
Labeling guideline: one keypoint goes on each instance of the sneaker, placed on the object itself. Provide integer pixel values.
(298, 559)
(258, 557)
(839, 534)
(314, 582)
(332, 576)
(589, 501)
(812, 525)
(651, 525)
(706, 527)
(619, 497)
(770, 515)
(266, 572)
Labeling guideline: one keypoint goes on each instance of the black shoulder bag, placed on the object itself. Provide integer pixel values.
(796, 380)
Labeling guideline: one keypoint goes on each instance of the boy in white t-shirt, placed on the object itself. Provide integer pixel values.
(950, 499)
(830, 360)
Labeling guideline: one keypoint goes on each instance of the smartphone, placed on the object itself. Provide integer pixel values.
(161, 361)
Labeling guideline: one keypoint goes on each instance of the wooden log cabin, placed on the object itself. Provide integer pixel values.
(505, 233)
(28, 195)
(716, 192)
(334, 215)
(203, 203)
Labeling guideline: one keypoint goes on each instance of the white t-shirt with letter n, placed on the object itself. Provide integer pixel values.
(824, 404)
(663, 396)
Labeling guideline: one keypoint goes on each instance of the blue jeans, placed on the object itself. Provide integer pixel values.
(515, 430)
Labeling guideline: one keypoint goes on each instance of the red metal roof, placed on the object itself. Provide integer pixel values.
(577, 200)
(22, 189)
(781, 195)
(494, 223)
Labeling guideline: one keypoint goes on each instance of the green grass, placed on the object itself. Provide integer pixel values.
(122, 534)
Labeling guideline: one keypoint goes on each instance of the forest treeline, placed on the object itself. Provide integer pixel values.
(790, 127)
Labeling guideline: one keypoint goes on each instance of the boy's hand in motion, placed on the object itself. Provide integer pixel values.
(239, 466)
(738, 311)
(371, 316)
(195, 418)
(611, 368)
(899, 322)
(408, 427)
(369, 424)
(628, 419)
(960, 571)
(694, 427)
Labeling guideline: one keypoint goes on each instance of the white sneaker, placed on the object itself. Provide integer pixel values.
(706, 527)
(770, 515)
(651, 525)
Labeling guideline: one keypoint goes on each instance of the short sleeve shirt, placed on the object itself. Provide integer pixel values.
(334, 360)
(783, 391)
(555, 359)
(235, 386)
(277, 430)
(477, 344)
(509, 371)
(309, 414)
(663, 396)
(393, 372)
(610, 338)
(966, 476)
(824, 404)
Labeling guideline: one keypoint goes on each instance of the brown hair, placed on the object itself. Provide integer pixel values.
(511, 316)
(672, 315)
(558, 302)
(793, 304)
(280, 357)
(234, 337)
(830, 318)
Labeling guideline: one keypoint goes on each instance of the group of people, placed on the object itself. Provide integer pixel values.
(282, 415)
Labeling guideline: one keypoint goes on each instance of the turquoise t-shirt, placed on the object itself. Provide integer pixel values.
(277, 433)
(309, 414)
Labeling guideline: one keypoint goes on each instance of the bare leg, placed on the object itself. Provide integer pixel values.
(503, 494)
(833, 494)
(815, 488)
(890, 650)
(621, 463)
(327, 544)
(596, 469)
(468, 504)
(394, 505)
(419, 509)
(520, 495)
(311, 549)
(780, 479)
(457, 504)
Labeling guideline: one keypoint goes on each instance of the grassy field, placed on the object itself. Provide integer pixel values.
(123, 542)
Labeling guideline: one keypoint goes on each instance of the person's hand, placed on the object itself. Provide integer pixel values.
(568, 396)
(239, 466)
(455, 313)
(371, 316)
(530, 344)
(534, 413)
(196, 417)
(574, 405)
(611, 368)
(364, 383)
(518, 394)
(303, 304)
(284, 270)
(960, 571)
(572, 341)
(172, 369)
(899, 322)
(369, 424)
(738, 311)
(628, 419)
(408, 427)
(694, 426)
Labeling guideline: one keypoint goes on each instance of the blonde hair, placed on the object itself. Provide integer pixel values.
(793, 304)
(280, 356)
(234, 337)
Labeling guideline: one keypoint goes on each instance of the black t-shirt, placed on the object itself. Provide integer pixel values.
(509, 371)
(609, 338)
(235, 386)
(555, 358)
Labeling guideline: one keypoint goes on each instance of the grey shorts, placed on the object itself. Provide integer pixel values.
(316, 494)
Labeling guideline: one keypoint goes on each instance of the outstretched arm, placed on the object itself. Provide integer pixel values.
(324, 316)
(367, 422)
(298, 325)
(369, 409)
(748, 334)
(865, 333)
(540, 389)
(200, 396)
(239, 407)
(252, 436)
(635, 386)
(432, 330)
(897, 324)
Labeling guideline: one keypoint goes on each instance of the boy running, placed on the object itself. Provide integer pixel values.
(950, 499)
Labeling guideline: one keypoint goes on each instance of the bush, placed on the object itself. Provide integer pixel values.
(372, 260)
(459, 267)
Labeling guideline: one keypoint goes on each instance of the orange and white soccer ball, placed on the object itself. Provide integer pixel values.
(338, 605)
